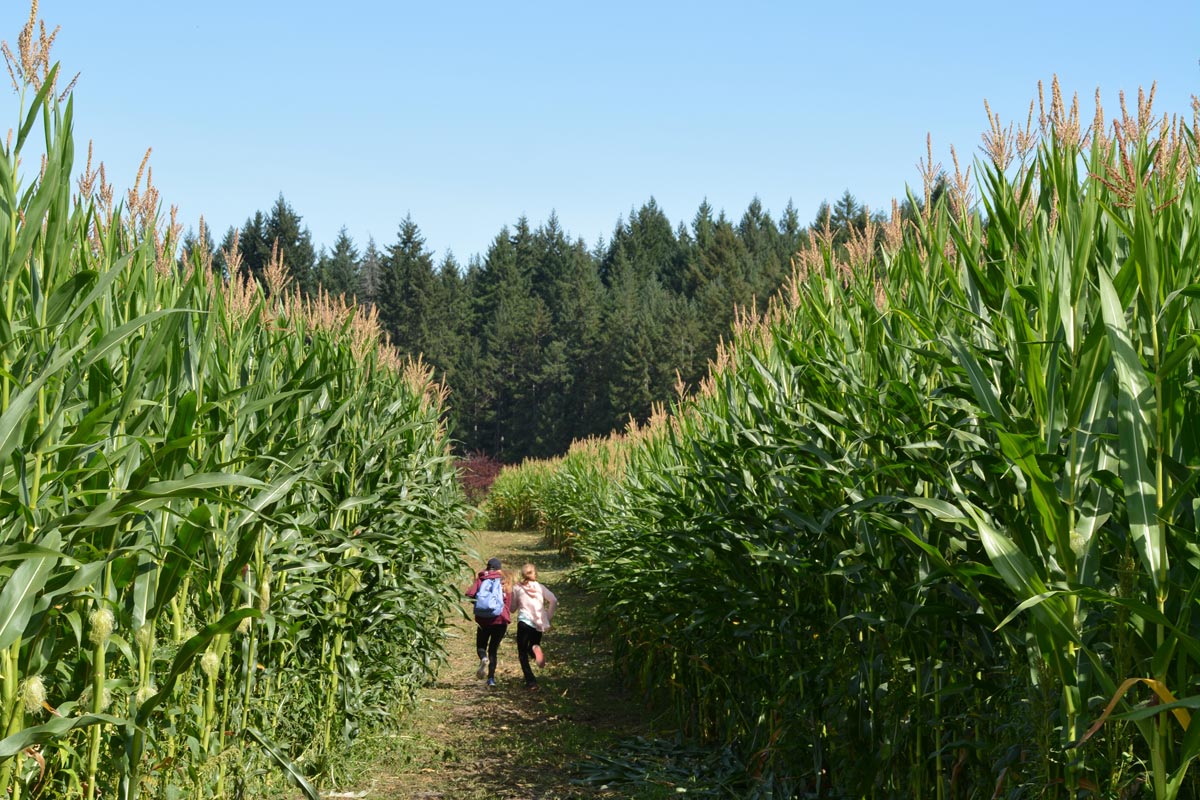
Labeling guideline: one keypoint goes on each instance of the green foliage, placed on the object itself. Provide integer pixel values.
(511, 503)
(581, 488)
(409, 291)
(928, 516)
(338, 270)
(225, 518)
(283, 233)
(541, 341)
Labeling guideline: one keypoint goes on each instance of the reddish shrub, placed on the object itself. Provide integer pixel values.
(476, 472)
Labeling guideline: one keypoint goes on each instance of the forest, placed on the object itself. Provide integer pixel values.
(543, 340)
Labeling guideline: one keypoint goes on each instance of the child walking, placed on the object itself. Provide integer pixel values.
(491, 629)
(535, 605)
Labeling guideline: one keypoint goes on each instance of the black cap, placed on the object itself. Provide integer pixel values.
(493, 563)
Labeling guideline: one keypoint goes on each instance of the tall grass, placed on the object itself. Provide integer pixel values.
(226, 513)
(937, 510)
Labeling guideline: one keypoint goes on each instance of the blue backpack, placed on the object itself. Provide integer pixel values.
(489, 600)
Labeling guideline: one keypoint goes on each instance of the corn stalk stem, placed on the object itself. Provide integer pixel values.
(99, 673)
(13, 716)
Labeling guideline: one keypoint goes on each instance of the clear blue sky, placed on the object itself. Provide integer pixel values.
(468, 115)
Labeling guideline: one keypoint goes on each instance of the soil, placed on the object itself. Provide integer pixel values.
(465, 740)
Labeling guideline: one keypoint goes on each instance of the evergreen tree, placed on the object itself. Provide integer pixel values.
(633, 326)
(703, 225)
(525, 249)
(552, 260)
(511, 319)
(648, 245)
(447, 318)
(339, 269)
(472, 398)
(543, 340)
(498, 267)
(847, 217)
(789, 226)
(612, 251)
(283, 229)
(254, 245)
(474, 388)
(579, 403)
(759, 236)
(370, 273)
(408, 291)
(792, 236)
(824, 215)
(720, 280)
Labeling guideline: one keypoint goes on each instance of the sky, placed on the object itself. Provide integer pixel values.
(469, 115)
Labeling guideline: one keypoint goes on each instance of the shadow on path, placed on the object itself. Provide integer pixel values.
(464, 741)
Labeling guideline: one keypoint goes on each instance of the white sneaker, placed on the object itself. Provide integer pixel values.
(481, 673)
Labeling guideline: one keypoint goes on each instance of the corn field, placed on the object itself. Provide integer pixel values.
(512, 501)
(227, 514)
(930, 528)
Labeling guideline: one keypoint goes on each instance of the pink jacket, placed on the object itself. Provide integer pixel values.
(534, 604)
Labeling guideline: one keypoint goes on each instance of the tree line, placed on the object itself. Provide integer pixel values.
(542, 339)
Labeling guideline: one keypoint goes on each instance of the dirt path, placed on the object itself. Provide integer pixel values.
(464, 741)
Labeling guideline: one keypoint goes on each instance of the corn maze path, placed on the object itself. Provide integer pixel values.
(464, 741)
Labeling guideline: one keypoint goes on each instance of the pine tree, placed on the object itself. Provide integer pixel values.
(447, 318)
(552, 257)
(579, 401)
(525, 248)
(498, 267)
(792, 236)
(408, 290)
(254, 245)
(370, 273)
(283, 229)
(632, 325)
(339, 269)
(649, 245)
(847, 217)
(475, 387)
(513, 322)
(703, 225)
(758, 234)
(720, 280)
(790, 229)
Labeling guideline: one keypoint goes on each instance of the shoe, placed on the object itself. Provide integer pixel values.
(538, 657)
(491, 681)
(532, 686)
(482, 671)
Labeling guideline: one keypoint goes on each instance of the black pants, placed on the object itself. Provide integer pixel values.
(527, 637)
(487, 642)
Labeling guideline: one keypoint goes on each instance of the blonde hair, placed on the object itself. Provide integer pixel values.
(528, 573)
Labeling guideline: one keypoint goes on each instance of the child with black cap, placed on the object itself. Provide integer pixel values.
(491, 629)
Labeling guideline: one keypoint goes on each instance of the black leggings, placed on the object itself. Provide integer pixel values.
(487, 642)
(527, 637)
